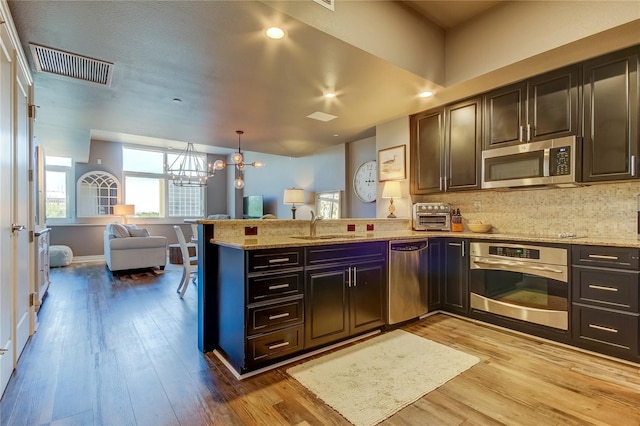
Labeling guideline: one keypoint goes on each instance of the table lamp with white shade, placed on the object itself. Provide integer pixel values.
(293, 196)
(124, 210)
(391, 190)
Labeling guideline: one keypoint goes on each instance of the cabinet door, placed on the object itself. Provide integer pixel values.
(456, 283)
(427, 133)
(553, 105)
(367, 299)
(504, 116)
(610, 91)
(435, 273)
(463, 141)
(326, 306)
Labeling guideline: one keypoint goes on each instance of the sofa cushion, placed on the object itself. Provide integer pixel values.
(119, 230)
(139, 232)
(137, 242)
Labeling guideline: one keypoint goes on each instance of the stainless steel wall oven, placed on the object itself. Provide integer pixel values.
(525, 282)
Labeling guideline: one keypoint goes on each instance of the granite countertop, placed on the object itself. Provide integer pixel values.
(278, 241)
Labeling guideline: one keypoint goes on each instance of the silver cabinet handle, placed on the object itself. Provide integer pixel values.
(349, 276)
(278, 286)
(601, 328)
(279, 260)
(463, 249)
(528, 132)
(520, 133)
(440, 183)
(633, 165)
(445, 183)
(278, 345)
(15, 227)
(603, 256)
(355, 276)
(602, 287)
(278, 316)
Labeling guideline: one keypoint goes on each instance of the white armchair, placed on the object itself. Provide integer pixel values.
(128, 247)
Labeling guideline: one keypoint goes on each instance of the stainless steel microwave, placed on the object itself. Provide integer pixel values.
(546, 163)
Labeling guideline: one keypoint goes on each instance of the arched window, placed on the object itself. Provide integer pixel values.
(98, 193)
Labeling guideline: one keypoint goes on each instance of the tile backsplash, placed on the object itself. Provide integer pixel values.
(602, 210)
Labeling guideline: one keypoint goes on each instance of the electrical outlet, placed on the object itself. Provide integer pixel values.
(351, 227)
(369, 226)
(477, 206)
(250, 230)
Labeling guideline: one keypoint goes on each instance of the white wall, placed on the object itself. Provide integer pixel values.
(320, 172)
(390, 134)
(516, 30)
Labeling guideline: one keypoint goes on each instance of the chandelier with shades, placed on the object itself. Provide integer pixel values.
(238, 161)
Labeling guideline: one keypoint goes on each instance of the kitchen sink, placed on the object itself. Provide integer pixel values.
(323, 237)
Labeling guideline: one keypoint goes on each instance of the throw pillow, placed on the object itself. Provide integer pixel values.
(119, 230)
(141, 232)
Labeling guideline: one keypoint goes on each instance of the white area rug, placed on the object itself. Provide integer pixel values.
(370, 381)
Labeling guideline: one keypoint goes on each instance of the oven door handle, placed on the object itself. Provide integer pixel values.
(522, 267)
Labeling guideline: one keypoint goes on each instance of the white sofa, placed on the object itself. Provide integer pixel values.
(129, 247)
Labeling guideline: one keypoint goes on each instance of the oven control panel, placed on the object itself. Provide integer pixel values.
(517, 252)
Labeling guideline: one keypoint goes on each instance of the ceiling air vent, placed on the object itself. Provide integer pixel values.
(67, 64)
(329, 4)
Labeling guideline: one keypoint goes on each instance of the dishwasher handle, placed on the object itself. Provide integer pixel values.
(409, 245)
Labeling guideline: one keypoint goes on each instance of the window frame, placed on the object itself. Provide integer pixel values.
(165, 193)
(69, 172)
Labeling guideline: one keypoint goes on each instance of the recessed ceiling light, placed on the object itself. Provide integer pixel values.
(177, 100)
(425, 94)
(329, 95)
(275, 33)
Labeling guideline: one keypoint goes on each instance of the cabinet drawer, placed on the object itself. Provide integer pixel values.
(271, 317)
(274, 345)
(266, 260)
(351, 253)
(272, 286)
(607, 288)
(613, 332)
(607, 257)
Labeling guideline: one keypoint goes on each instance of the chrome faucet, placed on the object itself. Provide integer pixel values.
(313, 223)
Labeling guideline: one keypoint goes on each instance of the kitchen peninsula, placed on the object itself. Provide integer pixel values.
(263, 286)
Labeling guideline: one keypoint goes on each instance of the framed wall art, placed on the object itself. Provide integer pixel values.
(392, 163)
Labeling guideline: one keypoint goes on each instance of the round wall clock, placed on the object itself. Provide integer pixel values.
(364, 181)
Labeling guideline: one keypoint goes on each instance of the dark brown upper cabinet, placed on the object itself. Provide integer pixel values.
(446, 146)
(610, 94)
(542, 107)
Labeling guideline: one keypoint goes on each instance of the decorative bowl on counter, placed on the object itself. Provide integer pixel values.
(479, 227)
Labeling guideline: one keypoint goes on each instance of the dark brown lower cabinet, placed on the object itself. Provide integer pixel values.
(605, 314)
(344, 298)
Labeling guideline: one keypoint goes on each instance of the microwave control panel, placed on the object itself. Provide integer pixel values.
(560, 161)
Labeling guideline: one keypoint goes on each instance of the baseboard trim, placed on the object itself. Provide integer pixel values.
(88, 259)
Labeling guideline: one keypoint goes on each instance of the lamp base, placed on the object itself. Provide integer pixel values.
(392, 209)
(293, 212)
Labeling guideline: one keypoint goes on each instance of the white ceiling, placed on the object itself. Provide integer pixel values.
(214, 57)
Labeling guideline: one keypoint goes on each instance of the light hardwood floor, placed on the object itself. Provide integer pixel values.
(122, 351)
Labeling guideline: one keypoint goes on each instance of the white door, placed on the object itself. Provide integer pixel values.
(23, 276)
(7, 294)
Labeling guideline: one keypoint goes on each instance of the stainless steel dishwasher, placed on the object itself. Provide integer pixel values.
(407, 290)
